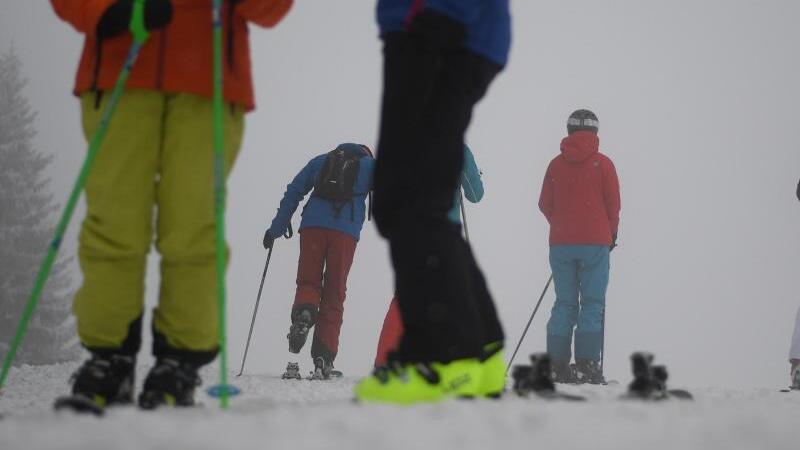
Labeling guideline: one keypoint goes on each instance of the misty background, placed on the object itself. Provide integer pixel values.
(697, 102)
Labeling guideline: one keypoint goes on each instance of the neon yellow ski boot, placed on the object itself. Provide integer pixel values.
(493, 379)
(406, 384)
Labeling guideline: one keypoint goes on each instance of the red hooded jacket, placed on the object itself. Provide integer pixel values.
(580, 193)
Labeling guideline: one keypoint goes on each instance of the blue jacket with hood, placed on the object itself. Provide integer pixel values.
(488, 22)
(319, 212)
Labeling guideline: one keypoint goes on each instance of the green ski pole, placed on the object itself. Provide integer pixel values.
(140, 35)
(225, 390)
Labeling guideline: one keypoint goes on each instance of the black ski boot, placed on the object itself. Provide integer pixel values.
(542, 379)
(649, 381)
(588, 371)
(298, 332)
(322, 369)
(642, 385)
(292, 372)
(171, 383)
(535, 378)
(99, 382)
(562, 372)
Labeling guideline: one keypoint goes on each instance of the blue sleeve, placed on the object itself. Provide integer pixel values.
(295, 192)
(471, 178)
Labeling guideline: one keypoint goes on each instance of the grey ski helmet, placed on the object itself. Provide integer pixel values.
(582, 119)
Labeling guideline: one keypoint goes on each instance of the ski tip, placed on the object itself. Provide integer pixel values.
(572, 397)
(555, 395)
(218, 390)
(680, 394)
(78, 404)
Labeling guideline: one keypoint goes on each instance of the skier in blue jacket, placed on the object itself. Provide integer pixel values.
(329, 231)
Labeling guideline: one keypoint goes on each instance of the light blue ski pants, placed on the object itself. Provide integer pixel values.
(580, 274)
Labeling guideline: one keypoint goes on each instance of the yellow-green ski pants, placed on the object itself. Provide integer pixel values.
(153, 179)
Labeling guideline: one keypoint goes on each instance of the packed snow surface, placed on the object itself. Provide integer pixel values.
(276, 414)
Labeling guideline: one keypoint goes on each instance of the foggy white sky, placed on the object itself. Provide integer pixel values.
(697, 102)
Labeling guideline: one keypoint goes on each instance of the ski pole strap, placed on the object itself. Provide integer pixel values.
(289, 232)
(137, 27)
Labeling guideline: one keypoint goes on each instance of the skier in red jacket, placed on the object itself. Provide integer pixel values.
(580, 199)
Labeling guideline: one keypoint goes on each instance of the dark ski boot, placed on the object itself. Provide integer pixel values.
(538, 380)
(538, 377)
(292, 372)
(170, 382)
(588, 371)
(650, 381)
(322, 369)
(298, 331)
(643, 384)
(562, 372)
(99, 382)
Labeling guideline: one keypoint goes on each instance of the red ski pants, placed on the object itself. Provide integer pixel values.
(325, 260)
(391, 333)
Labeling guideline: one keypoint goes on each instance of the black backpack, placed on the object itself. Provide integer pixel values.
(337, 178)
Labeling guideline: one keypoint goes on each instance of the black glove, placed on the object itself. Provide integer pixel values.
(117, 18)
(268, 240)
(613, 242)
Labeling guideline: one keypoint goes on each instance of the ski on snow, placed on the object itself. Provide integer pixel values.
(79, 404)
(649, 381)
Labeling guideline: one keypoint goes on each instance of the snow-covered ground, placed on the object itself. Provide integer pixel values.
(274, 414)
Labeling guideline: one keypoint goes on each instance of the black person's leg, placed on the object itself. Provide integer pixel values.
(441, 300)
(467, 78)
(492, 329)
(409, 71)
(412, 63)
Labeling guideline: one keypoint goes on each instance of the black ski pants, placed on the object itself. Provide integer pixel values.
(429, 94)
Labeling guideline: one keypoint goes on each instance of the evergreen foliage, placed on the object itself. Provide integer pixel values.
(27, 221)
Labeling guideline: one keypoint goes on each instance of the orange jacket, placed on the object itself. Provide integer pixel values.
(179, 57)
